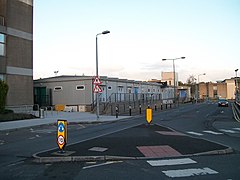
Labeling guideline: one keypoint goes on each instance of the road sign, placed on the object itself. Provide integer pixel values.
(97, 89)
(149, 115)
(61, 140)
(62, 133)
(97, 81)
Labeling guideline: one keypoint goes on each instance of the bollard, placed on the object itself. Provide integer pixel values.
(170, 105)
(130, 110)
(155, 107)
(161, 107)
(41, 115)
(116, 112)
(140, 108)
(166, 106)
(149, 115)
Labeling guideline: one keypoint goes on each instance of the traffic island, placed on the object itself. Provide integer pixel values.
(140, 142)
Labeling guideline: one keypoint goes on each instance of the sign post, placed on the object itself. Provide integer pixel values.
(97, 89)
(149, 115)
(61, 134)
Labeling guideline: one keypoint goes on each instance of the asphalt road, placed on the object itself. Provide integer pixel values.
(205, 121)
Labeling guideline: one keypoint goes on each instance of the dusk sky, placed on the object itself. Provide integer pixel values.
(143, 32)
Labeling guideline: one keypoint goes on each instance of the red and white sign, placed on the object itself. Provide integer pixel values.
(97, 80)
(97, 89)
(61, 140)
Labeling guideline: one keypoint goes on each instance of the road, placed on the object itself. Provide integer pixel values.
(206, 121)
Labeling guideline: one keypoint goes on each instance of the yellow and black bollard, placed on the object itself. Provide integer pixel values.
(149, 115)
(61, 134)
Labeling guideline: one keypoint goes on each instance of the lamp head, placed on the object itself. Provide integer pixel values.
(105, 32)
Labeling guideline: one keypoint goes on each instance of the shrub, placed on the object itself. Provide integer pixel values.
(3, 95)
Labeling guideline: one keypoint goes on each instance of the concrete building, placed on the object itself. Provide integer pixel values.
(77, 91)
(169, 78)
(223, 89)
(16, 51)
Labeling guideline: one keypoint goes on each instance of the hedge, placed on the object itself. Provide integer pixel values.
(3, 95)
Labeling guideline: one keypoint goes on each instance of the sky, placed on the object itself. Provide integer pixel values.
(142, 33)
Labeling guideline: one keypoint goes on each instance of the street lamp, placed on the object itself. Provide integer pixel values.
(198, 86)
(236, 96)
(97, 95)
(174, 78)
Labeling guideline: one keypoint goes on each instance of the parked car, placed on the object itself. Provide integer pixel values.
(222, 102)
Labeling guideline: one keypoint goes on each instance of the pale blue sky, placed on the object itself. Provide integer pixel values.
(143, 32)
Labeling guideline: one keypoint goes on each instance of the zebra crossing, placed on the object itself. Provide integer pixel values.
(219, 132)
(172, 172)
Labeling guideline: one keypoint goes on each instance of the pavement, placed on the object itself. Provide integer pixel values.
(51, 117)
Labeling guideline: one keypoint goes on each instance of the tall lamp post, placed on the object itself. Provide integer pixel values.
(174, 78)
(198, 86)
(97, 95)
(236, 96)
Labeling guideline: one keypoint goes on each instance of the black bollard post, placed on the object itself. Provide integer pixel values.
(116, 112)
(170, 105)
(166, 106)
(155, 107)
(140, 108)
(130, 110)
(161, 106)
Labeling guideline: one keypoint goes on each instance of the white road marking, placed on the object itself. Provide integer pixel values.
(102, 164)
(98, 149)
(2, 142)
(170, 162)
(14, 164)
(195, 133)
(237, 129)
(213, 132)
(189, 172)
(228, 131)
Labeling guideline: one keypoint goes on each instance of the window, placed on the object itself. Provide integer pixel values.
(109, 87)
(1, 77)
(2, 44)
(58, 88)
(80, 87)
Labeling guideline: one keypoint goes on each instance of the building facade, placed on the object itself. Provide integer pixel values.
(169, 78)
(77, 91)
(16, 51)
(222, 89)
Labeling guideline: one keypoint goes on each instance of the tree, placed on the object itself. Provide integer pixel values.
(191, 81)
(3, 95)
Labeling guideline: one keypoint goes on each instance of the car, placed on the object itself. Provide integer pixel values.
(222, 102)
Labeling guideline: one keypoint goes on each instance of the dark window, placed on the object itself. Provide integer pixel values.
(80, 87)
(58, 88)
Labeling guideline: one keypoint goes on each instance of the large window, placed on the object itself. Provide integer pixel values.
(1, 77)
(2, 44)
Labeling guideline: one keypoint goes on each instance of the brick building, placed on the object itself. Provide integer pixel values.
(16, 51)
